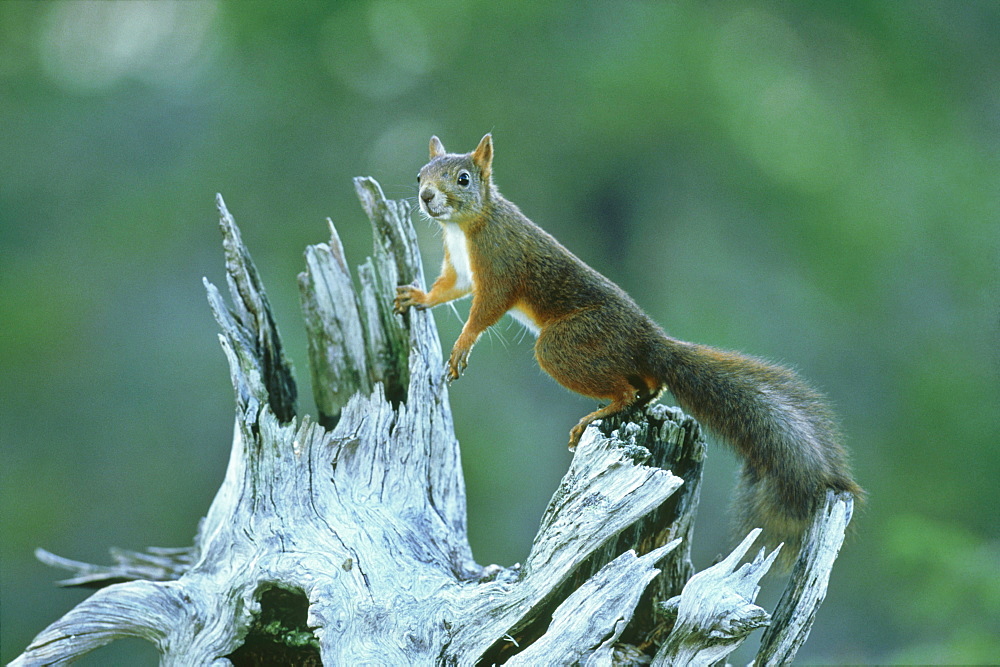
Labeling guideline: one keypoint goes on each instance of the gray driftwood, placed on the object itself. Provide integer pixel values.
(342, 539)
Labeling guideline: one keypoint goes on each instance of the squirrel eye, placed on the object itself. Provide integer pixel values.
(418, 178)
(463, 178)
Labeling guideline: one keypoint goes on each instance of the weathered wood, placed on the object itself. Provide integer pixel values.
(157, 564)
(671, 440)
(337, 351)
(586, 627)
(715, 612)
(343, 540)
(796, 610)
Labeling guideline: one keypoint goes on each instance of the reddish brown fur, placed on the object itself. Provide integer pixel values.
(595, 340)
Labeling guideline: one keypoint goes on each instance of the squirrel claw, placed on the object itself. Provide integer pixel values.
(452, 373)
(455, 372)
(457, 364)
(407, 296)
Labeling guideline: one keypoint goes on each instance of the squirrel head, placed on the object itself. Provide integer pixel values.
(456, 188)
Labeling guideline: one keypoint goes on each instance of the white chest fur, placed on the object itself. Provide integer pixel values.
(458, 253)
(524, 319)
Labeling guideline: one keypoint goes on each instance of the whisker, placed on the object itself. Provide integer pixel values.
(495, 331)
(523, 334)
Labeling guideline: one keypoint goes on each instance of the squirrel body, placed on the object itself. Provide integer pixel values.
(595, 340)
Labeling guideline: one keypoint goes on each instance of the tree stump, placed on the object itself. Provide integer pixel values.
(342, 539)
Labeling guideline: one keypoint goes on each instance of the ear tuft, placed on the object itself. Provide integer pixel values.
(483, 156)
(437, 148)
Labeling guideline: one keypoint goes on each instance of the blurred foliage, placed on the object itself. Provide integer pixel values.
(810, 182)
(959, 602)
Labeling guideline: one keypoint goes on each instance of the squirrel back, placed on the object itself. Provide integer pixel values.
(595, 340)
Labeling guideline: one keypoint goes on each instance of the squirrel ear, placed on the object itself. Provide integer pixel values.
(437, 148)
(483, 155)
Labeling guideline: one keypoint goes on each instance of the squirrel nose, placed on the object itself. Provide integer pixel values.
(427, 195)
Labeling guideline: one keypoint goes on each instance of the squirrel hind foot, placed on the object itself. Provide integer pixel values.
(623, 402)
(577, 432)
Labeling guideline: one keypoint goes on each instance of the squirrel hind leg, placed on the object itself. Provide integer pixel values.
(627, 399)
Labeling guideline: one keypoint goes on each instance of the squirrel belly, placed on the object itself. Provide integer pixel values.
(595, 340)
(523, 315)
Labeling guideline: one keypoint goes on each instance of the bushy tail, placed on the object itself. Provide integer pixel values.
(781, 428)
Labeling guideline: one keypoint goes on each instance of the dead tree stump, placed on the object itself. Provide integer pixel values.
(342, 539)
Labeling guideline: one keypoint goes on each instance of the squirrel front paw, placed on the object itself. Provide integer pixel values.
(458, 362)
(406, 296)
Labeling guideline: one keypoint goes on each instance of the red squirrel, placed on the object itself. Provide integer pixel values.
(593, 339)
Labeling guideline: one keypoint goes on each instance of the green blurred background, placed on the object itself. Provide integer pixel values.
(816, 183)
